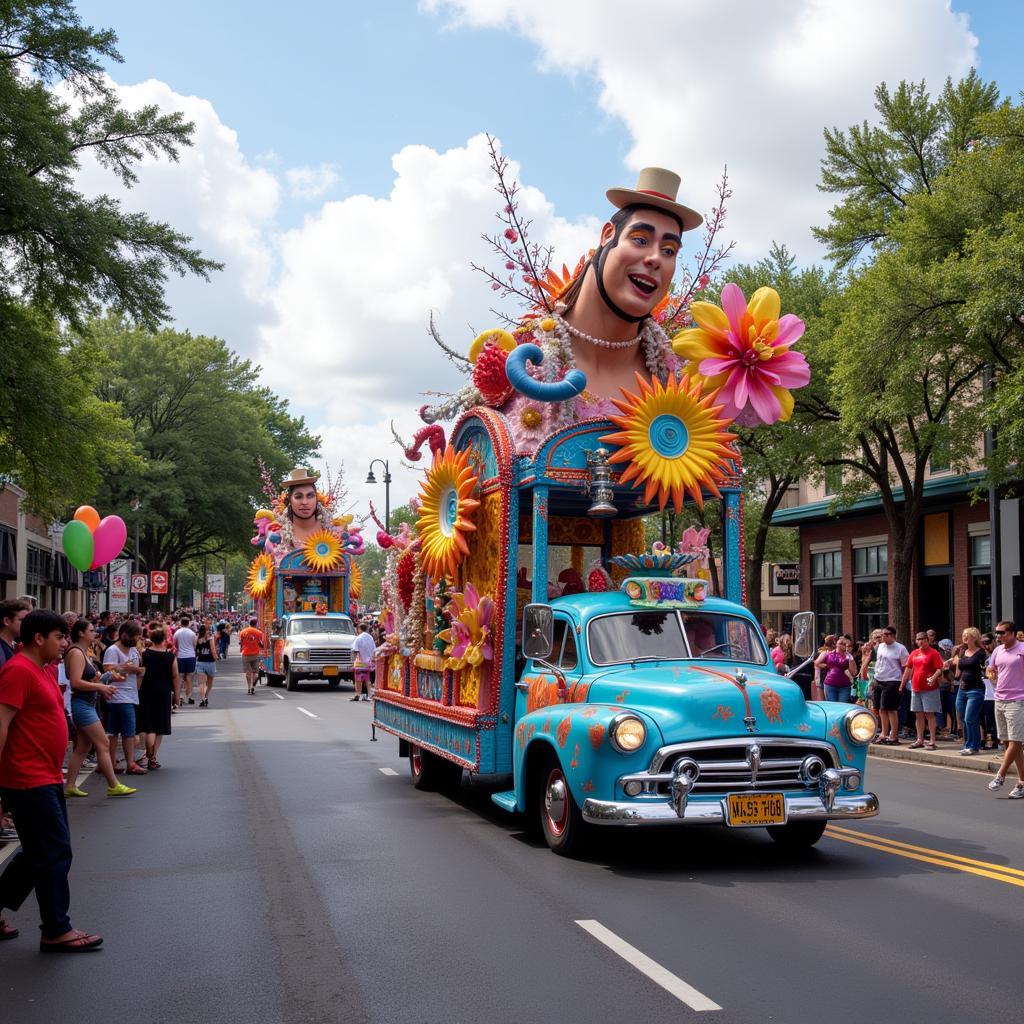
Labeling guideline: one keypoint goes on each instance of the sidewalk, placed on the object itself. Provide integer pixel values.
(947, 755)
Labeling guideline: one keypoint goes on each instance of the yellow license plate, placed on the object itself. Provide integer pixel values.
(330, 670)
(755, 809)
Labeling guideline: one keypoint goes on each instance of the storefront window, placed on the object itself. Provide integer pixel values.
(827, 590)
(981, 582)
(871, 588)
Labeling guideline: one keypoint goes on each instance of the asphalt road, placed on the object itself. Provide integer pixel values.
(278, 870)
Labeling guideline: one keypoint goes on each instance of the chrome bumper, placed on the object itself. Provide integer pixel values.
(712, 812)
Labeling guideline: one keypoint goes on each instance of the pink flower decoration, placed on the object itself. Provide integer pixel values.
(743, 351)
(511, 235)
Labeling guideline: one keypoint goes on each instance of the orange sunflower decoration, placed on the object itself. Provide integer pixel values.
(446, 512)
(355, 582)
(673, 438)
(261, 576)
(322, 551)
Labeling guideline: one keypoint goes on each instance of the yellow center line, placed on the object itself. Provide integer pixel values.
(924, 849)
(942, 860)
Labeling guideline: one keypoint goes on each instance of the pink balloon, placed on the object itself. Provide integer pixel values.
(108, 540)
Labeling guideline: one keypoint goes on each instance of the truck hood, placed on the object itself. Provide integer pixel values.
(693, 701)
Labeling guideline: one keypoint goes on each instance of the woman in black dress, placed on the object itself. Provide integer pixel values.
(156, 693)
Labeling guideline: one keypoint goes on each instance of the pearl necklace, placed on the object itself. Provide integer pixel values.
(600, 342)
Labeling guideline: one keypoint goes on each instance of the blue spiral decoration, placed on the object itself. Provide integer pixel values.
(571, 385)
(668, 436)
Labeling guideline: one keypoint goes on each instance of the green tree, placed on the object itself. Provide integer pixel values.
(55, 433)
(63, 255)
(202, 424)
(909, 342)
(776, 456)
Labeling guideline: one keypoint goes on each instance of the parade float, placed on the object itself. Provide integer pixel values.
(304, 581)
(531, 632)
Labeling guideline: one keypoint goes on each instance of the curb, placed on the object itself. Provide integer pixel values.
(983, 762)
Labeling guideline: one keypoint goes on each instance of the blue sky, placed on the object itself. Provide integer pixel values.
(338, 168)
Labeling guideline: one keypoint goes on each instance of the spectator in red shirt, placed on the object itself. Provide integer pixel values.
(924, 670)
(33, 738)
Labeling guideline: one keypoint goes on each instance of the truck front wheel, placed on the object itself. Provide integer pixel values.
(430, 772)
(290, 679)
(797, 835)
(561, 822)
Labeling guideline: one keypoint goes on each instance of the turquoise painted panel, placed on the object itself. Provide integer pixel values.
(454, 741)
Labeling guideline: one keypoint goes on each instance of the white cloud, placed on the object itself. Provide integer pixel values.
(214, 194)
(711, 82)
(311, 182)
(361, 275)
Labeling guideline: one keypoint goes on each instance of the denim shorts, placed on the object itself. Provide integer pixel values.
(83, 712)
(206, 668)
(186, 665)
(120, 719)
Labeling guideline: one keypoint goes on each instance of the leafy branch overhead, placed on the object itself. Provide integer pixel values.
(69, 254)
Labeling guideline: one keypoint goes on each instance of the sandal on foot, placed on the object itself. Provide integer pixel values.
(930, 746)
(7, 931)
(80, 942)
(916, 745)
(135, 769)
(153, 764)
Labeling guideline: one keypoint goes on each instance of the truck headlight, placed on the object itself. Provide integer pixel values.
(627, 733)
(860, 726)
(300, 655)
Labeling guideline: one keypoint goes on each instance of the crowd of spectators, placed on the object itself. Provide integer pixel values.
(971, 693)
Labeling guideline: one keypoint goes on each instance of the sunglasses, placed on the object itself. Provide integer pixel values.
(1001, 632)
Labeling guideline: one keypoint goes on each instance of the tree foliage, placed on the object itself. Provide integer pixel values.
(934, 196)
(63, 256)
(202, 424)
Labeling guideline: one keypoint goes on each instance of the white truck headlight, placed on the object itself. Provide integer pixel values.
(300, 655)
(861, 726)
(627, 733)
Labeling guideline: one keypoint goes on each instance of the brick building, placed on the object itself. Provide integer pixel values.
(31, 562)
(845, 573)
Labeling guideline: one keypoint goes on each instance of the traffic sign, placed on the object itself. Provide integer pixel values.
(158, 581)
(140, 582)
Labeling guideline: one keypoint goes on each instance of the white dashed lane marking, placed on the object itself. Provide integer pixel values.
(645, 965)
(279, 696)
(388, 771)
(305, 712)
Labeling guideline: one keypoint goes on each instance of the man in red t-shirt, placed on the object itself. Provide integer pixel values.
(33, 738)
(924, 670)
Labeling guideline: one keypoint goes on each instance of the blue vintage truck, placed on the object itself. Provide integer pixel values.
(640, 701)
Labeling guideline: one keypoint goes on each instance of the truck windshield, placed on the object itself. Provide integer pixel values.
(630, 636)
(339, 624)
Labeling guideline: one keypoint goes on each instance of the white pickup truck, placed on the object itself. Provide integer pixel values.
(314, 647)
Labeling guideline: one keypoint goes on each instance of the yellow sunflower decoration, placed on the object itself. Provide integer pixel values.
(446, 512)
(261, 576)
(322, 551)
(355, 582)
(674, 440)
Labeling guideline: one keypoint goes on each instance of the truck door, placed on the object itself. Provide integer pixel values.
(538, 687)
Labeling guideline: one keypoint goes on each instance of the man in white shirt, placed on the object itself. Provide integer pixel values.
(185, 652)
(890, 661)
(365, 650)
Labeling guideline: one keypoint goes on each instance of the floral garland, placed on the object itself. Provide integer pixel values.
(411, 632)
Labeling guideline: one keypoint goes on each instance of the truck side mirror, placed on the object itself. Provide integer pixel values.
(538, 631)
(803, 634)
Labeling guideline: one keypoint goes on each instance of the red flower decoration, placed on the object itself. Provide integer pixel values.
(563, 730)
(596, 735)
(771, 704)
(489, 375)
(406, 578)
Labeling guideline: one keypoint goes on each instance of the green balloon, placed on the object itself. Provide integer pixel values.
(78, 544)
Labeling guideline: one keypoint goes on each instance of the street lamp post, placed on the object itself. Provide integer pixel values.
(371, 479)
